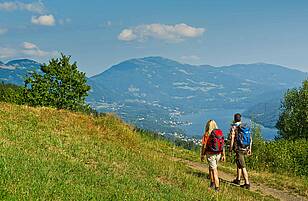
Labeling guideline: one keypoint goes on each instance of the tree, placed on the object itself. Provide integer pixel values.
(60, 85)
(293, 120)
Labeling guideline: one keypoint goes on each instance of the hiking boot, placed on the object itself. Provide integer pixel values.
(217, 189)
(236, 181)
(212, 185)
(246, 186)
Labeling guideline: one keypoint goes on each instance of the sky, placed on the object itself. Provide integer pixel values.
(99, 33)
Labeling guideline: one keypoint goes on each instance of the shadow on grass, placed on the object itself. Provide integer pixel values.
(199, 174)
(207, 176)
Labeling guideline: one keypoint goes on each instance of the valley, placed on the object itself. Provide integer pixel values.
(172, 98)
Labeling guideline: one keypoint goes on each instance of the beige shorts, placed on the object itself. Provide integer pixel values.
(213, 159)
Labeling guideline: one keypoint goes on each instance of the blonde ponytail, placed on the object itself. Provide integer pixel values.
(210, 126)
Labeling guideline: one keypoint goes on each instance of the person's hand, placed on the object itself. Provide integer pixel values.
(202, 158)
(249, 152)
(223, 158)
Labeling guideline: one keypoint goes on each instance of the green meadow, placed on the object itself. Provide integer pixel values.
(49, 154)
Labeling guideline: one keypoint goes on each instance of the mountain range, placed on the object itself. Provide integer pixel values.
(155, 87)
(15, 71)
(153, 92)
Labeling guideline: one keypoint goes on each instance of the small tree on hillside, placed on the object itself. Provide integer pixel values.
(60, 85)
(293, 120)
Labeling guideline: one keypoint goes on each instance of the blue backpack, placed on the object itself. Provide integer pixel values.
(243, 137)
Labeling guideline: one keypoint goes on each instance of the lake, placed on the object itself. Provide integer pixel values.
(223, 118)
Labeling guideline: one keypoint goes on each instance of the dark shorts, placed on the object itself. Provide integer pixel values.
(240, 159)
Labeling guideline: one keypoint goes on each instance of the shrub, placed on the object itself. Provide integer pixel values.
(61, 86)
(282, 156)
(11, 93)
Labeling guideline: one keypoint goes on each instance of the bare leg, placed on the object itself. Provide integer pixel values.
(211, 174)
(245, 175)
(239, 173)
(216, 179)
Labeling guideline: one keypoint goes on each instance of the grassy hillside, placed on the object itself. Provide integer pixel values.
(50, 154)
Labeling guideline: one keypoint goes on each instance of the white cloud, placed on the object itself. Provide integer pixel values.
(31, 49)
(7, 52)
(27, 49)
(3, 30)
(45, 20)
(28, 45)
(38, 53)
(127, 35)
(170, 33)
(35, 7)
(8, 6)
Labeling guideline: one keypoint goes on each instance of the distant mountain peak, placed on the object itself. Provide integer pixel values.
(15, 71)
(21, 62)
(261, 65)
(151, 58)
(158, 59)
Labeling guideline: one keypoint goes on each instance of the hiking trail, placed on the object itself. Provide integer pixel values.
(255, 187)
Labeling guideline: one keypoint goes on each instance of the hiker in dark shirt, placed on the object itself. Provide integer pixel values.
(242, 149)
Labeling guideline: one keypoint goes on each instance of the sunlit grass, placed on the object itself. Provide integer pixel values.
(49, 154)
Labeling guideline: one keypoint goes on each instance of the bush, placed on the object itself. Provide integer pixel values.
(282, 156)
(11, 93)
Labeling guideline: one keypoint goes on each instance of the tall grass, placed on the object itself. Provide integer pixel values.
(49, 154)
(280, 156)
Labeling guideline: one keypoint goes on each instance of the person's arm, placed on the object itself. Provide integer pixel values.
(223, 159)
(232, 140)
(203, 147)
(250, 146)
(202, 152)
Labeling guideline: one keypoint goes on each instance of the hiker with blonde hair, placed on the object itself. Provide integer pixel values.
(213, 148)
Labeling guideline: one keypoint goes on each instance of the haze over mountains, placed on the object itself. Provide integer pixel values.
(153, 92)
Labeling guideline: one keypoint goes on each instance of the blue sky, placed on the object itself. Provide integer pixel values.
(99, 33)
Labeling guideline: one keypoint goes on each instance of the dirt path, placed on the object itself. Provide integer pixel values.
(255, 187)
